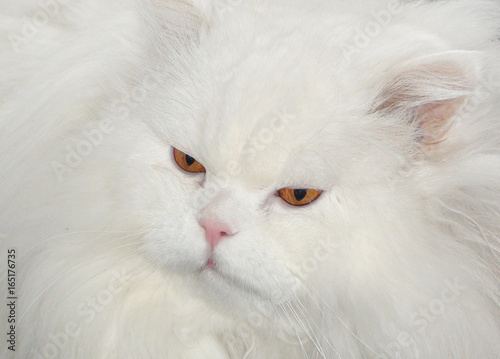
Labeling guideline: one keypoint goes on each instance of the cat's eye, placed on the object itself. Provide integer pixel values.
(188, 163)
(299, 197)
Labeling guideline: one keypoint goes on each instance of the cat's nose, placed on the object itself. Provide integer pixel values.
(215, 231)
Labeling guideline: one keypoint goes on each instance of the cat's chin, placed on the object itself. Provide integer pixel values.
(224, 284)
(227, 292)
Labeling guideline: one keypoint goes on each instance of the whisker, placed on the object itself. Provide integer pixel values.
(77, 266)
(306, 330)
(295, 330)
(37, 245)
(317, 326)
(338, 318)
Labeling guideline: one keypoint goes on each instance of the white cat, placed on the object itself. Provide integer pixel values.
(250, 179)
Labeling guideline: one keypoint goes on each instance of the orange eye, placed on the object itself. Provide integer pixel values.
(188, 163)
(299, 197)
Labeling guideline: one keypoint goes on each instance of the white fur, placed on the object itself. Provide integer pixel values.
(398, 258)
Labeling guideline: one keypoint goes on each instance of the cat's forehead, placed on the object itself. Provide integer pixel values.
(270, 118)
(271, 100)
(282, 137)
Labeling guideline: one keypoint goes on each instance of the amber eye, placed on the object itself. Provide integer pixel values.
(187, 163)
(299, 197)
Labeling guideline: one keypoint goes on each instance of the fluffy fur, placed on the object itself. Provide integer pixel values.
(393, 109)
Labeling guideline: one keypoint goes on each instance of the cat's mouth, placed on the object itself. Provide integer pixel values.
(210, 264)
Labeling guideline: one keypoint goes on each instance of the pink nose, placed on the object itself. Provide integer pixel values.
(215, 231)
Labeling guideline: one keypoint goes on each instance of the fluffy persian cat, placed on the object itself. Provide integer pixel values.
(250, 179)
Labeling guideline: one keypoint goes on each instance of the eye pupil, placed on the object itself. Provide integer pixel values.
(300, 194)
(190, 160)
(299, 197)
(187, 163)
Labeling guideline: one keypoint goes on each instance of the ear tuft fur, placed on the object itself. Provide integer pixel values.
(430, 91)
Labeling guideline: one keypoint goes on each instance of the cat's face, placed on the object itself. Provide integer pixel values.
(274, 125)
(259, 118)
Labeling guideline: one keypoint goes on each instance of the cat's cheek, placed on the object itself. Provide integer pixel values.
(310, 237)
(176, 249)
(251, 262)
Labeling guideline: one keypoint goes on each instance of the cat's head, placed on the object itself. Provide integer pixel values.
(297, 162)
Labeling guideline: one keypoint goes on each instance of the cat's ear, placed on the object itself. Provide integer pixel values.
(430, 91)
(179, 20)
